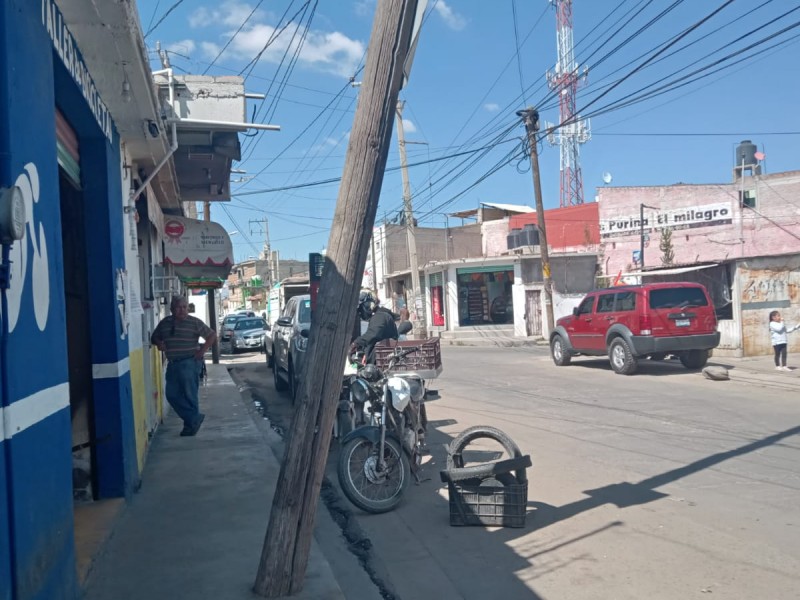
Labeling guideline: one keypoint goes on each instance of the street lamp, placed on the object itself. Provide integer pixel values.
(641, 233)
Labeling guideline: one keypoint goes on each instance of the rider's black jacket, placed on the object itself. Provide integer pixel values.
(381, 327)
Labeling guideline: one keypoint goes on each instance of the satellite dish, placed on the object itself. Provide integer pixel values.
(607, 177)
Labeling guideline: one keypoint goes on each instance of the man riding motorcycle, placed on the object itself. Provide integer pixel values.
(381, 326)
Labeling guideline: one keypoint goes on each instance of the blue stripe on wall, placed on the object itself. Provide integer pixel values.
(43, 518)
(5, 542)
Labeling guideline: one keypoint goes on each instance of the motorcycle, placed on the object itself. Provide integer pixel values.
(377, 459)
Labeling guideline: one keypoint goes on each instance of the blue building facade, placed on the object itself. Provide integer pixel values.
(66, 384)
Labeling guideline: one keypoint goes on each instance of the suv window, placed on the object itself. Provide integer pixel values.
(249, 324)
(304, 314)
(605, 303)
(586, 306)
(288, 310)
(682, 297)
(626, 301)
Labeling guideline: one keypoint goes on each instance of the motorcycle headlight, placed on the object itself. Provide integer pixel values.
(401, 392)
(300, 343)
(360, 391)
(417, 389)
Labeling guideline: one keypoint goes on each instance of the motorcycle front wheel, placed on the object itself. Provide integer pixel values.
(367, 486)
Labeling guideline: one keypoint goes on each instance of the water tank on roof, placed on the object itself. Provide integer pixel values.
(512, 239)
(746, 153)
(529, 235)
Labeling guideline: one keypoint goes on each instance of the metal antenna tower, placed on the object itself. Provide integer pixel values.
(572, 129)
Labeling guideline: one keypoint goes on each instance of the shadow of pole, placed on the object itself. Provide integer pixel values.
(625, 494)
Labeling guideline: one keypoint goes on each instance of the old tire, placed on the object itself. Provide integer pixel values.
(622, 359)
(559, 352)
(694, 359)
(455, 460)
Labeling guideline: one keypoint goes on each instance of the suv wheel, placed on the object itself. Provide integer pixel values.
(694, 359)
(622, 359)
(560, 354)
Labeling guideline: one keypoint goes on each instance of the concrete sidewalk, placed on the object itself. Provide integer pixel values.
(196, 527)
(760, 371)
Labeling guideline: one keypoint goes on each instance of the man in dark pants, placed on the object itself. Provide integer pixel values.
(381, 325)
(178, 336)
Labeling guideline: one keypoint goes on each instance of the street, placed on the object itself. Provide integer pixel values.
(659, 485)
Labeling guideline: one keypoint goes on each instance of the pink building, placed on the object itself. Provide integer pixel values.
(740, 239)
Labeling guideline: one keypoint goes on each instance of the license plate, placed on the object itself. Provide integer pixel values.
(682, 322)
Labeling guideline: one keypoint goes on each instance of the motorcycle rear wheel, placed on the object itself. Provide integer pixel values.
(372, 491)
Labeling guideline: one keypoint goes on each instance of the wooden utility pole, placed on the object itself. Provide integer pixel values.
(413, 263)
(530, 116)
(286, 546)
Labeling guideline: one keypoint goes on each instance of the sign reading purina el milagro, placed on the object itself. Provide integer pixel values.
(703, 215)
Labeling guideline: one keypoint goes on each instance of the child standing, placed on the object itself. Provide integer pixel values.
(778, 332)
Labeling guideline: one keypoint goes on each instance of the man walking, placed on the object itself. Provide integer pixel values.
(178, 335)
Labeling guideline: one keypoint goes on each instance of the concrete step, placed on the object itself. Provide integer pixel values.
(497, 341)
(478, 331)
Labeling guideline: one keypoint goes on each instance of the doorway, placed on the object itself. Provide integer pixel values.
(533, 312)
(76, 304)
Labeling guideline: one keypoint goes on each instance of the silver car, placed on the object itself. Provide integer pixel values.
(290, 342)
(247, 334)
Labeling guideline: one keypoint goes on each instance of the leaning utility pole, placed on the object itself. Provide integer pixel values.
(530, 116)
(413, 264)
(288, 540)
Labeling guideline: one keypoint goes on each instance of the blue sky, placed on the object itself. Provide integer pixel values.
(476, 64)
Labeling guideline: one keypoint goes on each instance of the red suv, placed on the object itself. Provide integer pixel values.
(636, 321)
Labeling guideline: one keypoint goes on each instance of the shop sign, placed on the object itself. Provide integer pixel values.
(67, 49)
(682, 218)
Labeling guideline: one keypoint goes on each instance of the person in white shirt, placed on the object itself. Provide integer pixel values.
(778, 332)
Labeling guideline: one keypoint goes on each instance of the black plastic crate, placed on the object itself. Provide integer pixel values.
(488, 505)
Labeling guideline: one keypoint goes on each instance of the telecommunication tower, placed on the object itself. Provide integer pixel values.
(572, 130)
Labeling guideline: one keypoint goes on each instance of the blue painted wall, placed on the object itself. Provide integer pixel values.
(36, 510)
(40, 465)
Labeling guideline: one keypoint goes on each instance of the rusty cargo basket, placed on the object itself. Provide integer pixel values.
(426, 361)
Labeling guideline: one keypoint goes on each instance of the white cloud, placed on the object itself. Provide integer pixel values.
(182, 47)
(452, 19)
(408, 126)
(332, 52)
(210, 49)
(492, 107)
(329, 51)
(230, 13)
(364, 8)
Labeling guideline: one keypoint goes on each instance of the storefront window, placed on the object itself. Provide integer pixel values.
(484, 296)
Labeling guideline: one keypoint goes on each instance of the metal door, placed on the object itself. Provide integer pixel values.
(533, 312)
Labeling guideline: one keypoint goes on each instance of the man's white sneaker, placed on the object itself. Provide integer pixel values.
(779, 368)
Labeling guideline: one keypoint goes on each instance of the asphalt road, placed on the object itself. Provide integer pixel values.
(659, 485)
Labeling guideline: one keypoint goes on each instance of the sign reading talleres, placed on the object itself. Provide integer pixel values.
(680, 218)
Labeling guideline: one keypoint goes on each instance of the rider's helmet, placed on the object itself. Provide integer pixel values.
(367, 303)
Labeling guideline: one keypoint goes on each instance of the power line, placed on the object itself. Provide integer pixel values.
(233, 37)
(164, 16)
